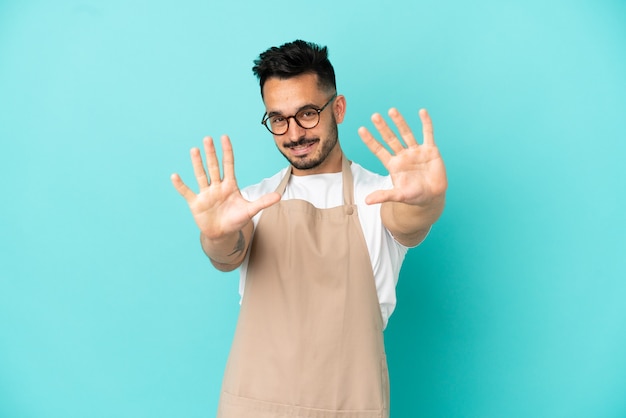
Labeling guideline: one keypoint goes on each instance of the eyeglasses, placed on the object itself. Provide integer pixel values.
(307, 118)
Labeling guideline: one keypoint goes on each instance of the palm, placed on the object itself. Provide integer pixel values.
(417, 171)
(219, 208)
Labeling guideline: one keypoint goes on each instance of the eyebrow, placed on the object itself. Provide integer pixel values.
(306, 106)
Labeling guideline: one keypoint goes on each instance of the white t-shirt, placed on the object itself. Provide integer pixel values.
(386, 254)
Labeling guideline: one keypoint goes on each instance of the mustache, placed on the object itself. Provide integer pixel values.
(301, 142)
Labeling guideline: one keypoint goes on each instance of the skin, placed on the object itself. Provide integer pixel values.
(408, 210)
(286, 97)
(418, 175)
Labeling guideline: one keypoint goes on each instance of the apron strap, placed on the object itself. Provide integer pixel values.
(283, 183)
(348, 182)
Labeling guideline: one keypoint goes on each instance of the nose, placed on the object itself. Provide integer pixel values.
(294, 131)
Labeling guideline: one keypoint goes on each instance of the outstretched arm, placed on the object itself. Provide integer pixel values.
(223, 216)
(418, 175)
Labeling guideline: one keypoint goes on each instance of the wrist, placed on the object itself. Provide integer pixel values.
(227, 249)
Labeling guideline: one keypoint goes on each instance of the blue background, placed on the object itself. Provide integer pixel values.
(513, 307)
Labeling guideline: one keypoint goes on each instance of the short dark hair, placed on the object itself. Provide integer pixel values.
(293, 59)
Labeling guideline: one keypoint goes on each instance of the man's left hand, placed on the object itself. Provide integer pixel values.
(417, 170)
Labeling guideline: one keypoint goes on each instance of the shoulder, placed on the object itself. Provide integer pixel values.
(265, 186)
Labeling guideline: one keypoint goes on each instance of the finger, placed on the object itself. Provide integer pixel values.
(211, 160)
(182, 188)
(388, 135)
(263, 202)
(376, 147)
(427, 127)
(382, 196)
(403, 127)
(198, 168)
(228, 158)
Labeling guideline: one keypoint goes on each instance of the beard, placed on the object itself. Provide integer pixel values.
(313, 161)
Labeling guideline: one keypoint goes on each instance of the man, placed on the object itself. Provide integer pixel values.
(320, 245)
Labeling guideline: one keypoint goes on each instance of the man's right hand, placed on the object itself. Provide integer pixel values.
(219, 209)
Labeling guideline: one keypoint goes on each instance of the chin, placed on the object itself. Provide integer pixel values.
(305, 164)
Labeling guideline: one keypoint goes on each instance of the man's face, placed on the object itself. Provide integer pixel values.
(310, 151)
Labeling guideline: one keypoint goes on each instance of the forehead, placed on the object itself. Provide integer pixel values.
(289, 94)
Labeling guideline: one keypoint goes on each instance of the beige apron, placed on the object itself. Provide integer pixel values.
(309, 340)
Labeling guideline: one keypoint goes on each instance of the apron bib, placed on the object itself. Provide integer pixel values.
(309, 339)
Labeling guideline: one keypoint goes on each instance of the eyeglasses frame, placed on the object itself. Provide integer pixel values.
(319, 111)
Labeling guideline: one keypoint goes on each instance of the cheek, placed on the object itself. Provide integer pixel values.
(326, 128)
(331, 130)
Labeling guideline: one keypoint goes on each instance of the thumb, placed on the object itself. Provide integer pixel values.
(263, 202)
(381, 196)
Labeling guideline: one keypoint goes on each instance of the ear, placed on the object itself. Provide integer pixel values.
(339, 108)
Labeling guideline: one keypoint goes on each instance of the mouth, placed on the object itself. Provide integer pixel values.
(302, 147)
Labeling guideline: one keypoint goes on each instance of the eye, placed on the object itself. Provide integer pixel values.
(308, 114)
(277, 119)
